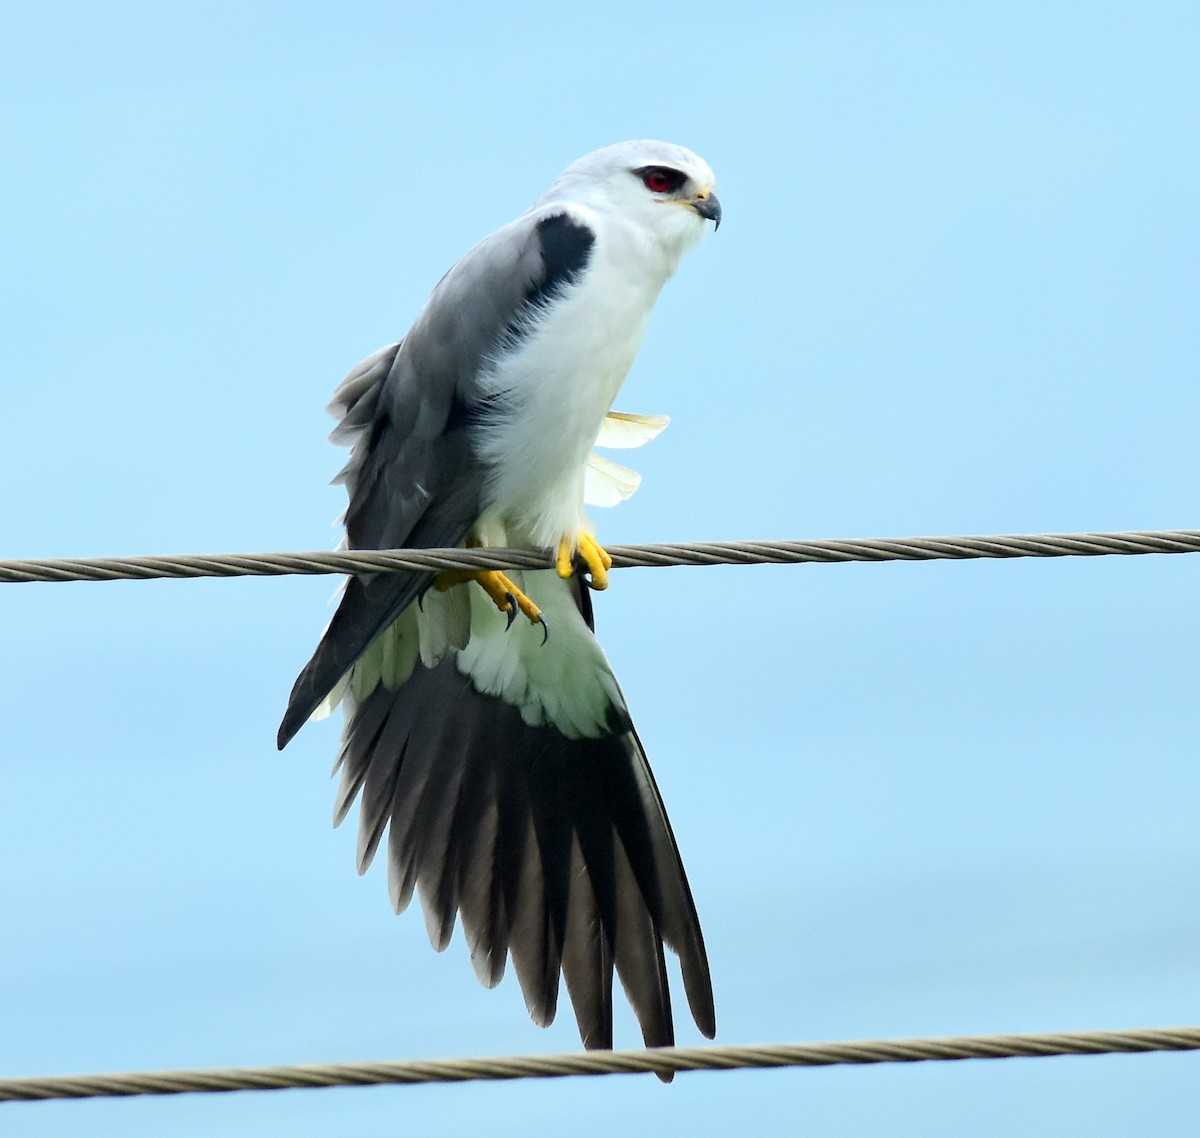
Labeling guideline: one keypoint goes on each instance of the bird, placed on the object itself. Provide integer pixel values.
(484, 729)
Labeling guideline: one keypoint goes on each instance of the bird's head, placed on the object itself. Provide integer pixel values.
(665, 190)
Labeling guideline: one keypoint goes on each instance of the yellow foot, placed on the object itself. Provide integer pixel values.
(501, 588)
(593, 556)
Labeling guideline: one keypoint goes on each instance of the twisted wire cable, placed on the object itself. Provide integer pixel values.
(613, 1062)
(1130, 543)
(664, 1059)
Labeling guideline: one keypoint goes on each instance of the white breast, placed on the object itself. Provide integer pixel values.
(558, 385)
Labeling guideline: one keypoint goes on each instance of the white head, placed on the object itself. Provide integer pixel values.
(664, 189)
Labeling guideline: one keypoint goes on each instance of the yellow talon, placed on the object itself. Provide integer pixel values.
(448, 578)
(499, 586)
(566, 562)
(593, 555)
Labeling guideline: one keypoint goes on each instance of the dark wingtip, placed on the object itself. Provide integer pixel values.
(293, 720)
(304, 699)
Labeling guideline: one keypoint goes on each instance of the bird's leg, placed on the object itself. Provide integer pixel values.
(499, 586)
(595, 560)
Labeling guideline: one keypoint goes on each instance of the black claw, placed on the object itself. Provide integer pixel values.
(545, 628)
(513, 609)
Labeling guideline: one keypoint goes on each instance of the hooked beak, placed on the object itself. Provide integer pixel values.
(709, 207)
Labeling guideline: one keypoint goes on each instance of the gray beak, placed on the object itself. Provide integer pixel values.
(709, 208)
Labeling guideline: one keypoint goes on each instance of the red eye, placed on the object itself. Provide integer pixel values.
(661, 179)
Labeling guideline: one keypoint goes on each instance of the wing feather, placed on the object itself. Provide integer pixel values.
(410, 412)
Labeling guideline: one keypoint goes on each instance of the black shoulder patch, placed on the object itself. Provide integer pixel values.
(566, 249)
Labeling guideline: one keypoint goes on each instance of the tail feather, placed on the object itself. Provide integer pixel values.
(554, 851)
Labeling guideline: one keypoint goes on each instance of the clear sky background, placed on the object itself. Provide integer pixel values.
(957, 291)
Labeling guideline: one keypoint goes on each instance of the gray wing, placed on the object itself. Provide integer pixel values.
(410, 412)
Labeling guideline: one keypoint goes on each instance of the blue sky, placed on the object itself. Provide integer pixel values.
(956, 291)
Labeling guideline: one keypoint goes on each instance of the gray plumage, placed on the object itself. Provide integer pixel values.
(414, 479)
